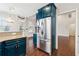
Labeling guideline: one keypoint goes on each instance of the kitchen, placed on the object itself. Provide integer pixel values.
(35, 29)
(16, 28)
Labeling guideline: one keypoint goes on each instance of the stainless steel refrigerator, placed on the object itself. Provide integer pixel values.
(44, 34)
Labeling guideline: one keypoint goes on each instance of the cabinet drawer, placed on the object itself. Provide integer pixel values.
(22, 43)
(10, 42)
(21, 40)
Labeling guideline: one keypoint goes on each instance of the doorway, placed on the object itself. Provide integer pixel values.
(66, 33)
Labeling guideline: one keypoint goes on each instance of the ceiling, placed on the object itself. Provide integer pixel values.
(62, 7)
(29, 9)
(23, 9)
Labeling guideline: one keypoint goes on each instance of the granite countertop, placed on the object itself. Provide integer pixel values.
(3, 38)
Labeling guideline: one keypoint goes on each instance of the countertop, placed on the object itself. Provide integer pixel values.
(4, 38)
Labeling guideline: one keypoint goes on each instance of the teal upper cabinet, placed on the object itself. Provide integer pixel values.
(40, 14)
(46, 11)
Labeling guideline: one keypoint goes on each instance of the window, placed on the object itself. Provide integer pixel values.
(3, 24)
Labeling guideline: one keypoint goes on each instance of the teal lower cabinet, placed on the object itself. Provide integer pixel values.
(0, 49)
(35, 40)
(10, 50)
(0, 52)
(15, 47)
(21, 47)
(21, 50)
(10, 47)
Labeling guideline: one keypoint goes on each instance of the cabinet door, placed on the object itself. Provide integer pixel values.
(40, 15)
(0, 49)
(46, 11)
(10, 50)
(0, 52)
(35, 40)
(21, 50)
(10, 42)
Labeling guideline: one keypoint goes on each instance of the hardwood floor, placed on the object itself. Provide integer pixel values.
(31, 51)
(65, 48)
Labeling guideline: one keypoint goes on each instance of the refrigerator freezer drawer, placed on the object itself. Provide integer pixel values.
(42, 44)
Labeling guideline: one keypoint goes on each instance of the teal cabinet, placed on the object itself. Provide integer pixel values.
(40, 14)
(10, 50)
(15, 47)
(21, 50)
(0, 52)
(10, 42)
(46, 11)
(21, 46)
(0, 49)
(10, 47)
(35, 40)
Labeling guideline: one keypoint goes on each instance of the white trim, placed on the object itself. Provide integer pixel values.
(56, 34)
(66, 12)
(76, 34)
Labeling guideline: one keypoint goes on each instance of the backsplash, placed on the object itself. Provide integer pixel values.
(9, 33)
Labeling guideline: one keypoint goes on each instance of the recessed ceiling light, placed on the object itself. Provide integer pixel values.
(12, 9)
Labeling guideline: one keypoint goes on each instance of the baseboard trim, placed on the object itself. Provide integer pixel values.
(43, 51)
(55, 52)
(52, 54)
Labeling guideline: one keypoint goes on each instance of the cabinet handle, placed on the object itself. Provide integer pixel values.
(16, 46)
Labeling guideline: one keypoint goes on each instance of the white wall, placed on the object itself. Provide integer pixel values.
(72, 30)
(77, 34)
(69, 26)
(63, 23)
(28, 24)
